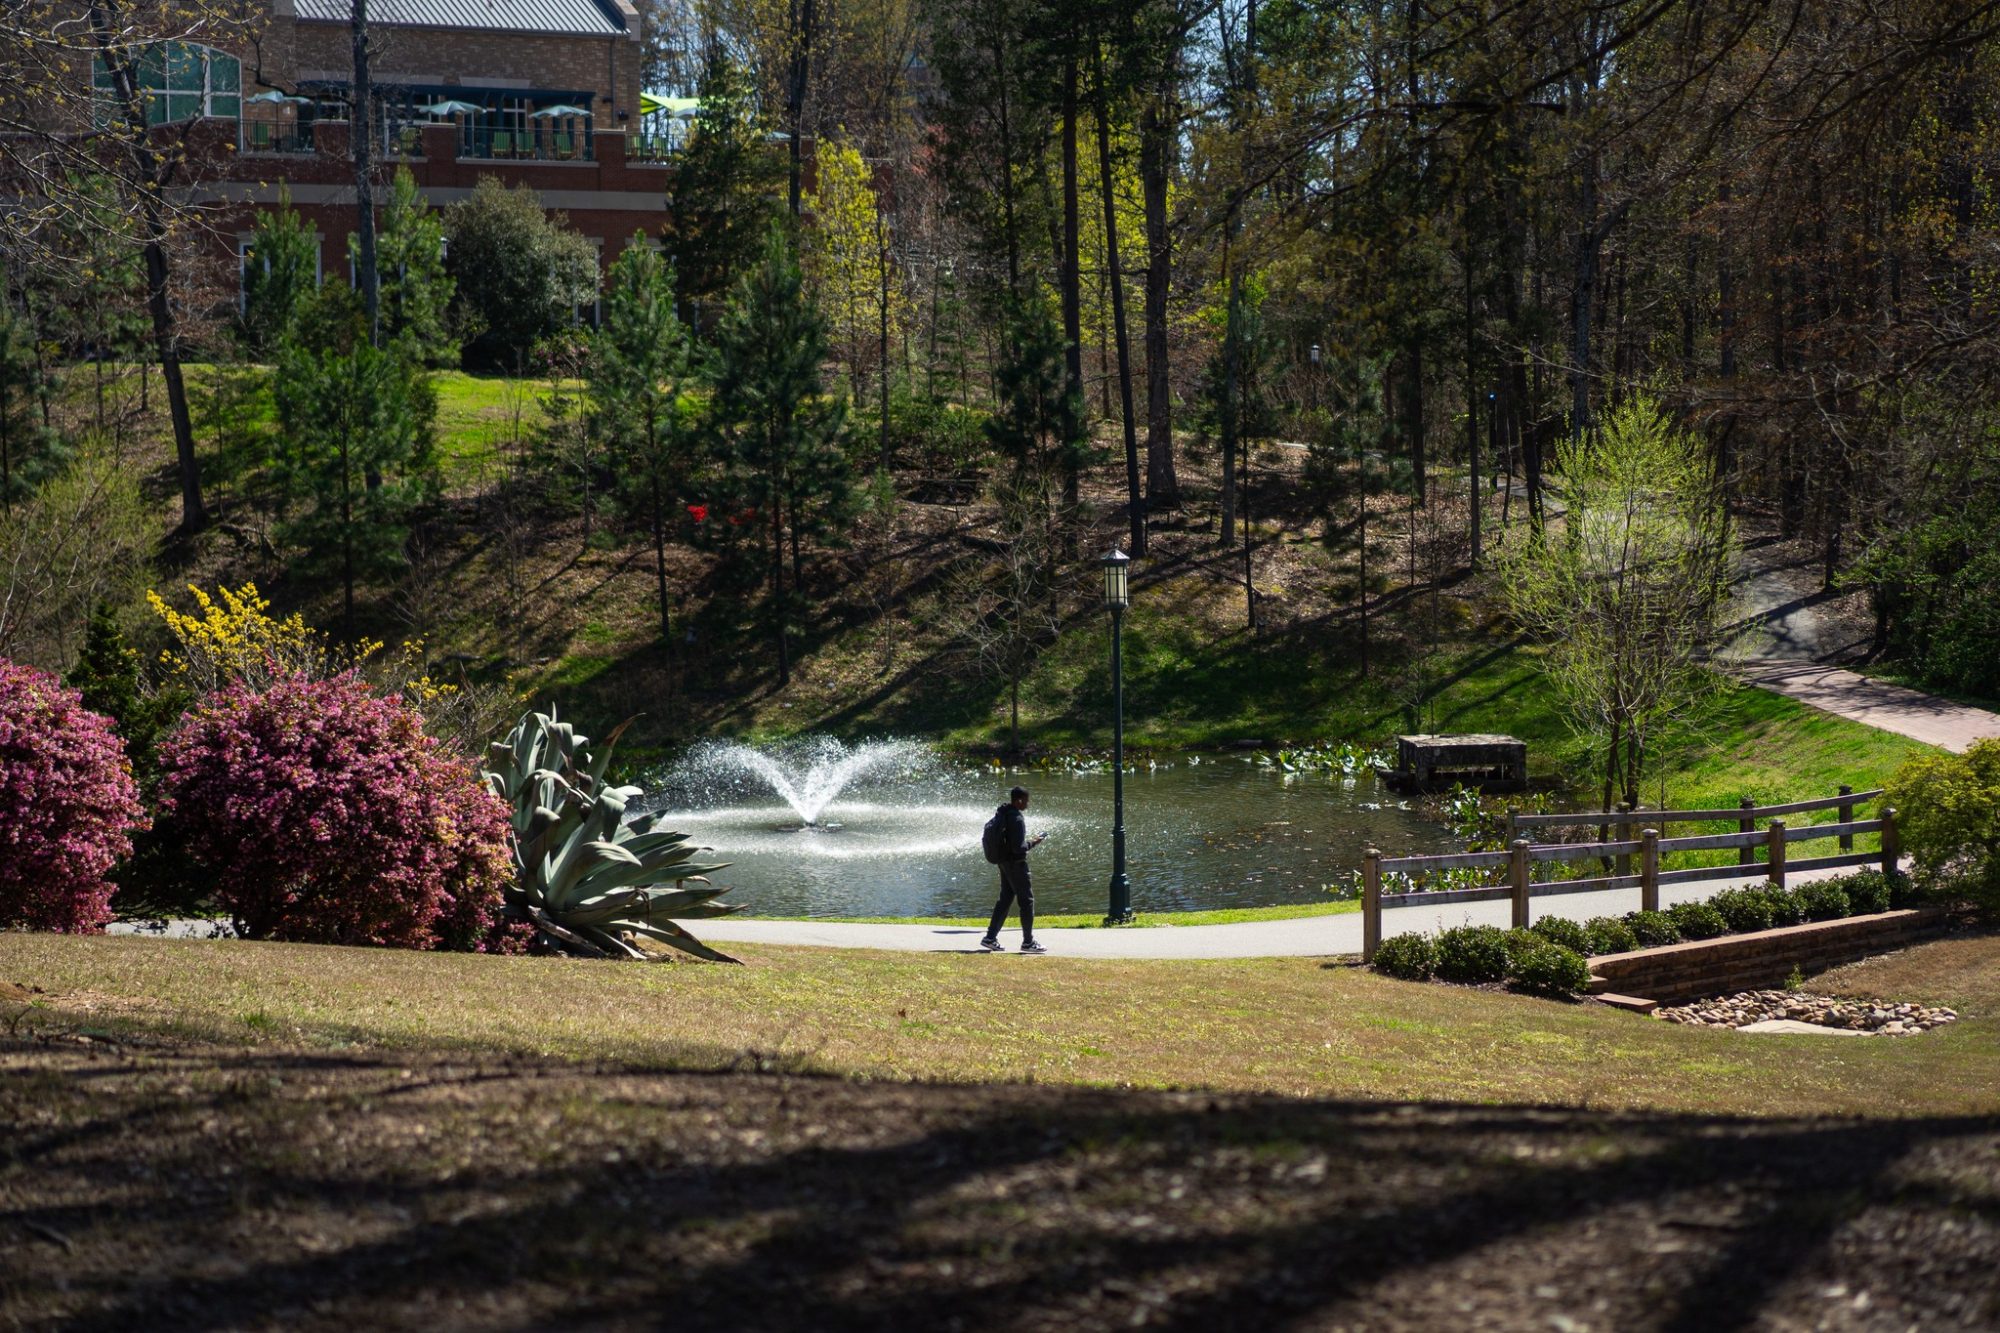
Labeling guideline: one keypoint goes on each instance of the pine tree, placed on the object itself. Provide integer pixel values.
(780, 432)
(355, 451)
(416, 290)
(279, 275)
(637, 370)
(30, 452)
(725, 192)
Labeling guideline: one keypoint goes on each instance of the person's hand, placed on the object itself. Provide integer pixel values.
(1037, 840)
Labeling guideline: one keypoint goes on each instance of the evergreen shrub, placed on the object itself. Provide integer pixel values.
(1743, 909)
(1411, 956)
(1698, 921)
(1472, 954)
(1550, 969)
(1561, 930)
(1608, 934)
(1653, 929)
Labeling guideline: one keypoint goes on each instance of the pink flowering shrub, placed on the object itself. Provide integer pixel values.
(68, 805)
(326, 815)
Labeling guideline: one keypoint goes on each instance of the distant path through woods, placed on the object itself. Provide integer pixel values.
(1789, 635)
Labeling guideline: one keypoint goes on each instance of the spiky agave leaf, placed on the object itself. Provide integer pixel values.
(588, 880)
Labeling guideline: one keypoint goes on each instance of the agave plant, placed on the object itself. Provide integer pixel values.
(591, 882)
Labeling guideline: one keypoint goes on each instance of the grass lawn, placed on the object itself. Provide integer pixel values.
(1294, 1026)
(263, 1136)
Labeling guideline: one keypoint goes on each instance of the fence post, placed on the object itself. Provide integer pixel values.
(1846, 817)
(1513, 813)
(1774, 852)
(1892, 843)
(1624, 863)
(1649, 870)
(1517, 867)
(1746, 823)
(1371, 902)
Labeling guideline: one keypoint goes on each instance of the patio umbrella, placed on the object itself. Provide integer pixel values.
(451, 107)
(676, 108)
(274, 96)
(549, 112)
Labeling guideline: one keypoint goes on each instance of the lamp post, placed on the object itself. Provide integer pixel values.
(1117, 596)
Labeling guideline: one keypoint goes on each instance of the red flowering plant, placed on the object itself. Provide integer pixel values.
(326, 815)
(699, 513)
(68, 805)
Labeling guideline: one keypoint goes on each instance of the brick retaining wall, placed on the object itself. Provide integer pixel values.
(1758, 960)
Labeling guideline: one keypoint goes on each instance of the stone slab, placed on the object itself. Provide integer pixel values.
(1637, 1004)
(1791, 1025)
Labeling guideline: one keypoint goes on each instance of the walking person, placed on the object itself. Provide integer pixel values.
(1007, 844)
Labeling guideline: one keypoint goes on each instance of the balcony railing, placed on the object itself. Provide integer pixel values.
(263, 136)
(525, 145)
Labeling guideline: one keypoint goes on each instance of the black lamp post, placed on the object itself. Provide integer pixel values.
(1117, 596)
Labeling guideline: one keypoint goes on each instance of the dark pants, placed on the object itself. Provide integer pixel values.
(1015, 886)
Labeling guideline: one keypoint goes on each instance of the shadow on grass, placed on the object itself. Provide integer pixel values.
(311, 1191)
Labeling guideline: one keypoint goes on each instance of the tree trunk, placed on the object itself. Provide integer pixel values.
(1163, 488)
(1232, 371)
(1473, 505)
(1413, 416)
(882, 255)
(660, 557)
(778, 587)
(1115, 276)
(799, 79)
(166, 344)
(362, 146)
(1072, 292)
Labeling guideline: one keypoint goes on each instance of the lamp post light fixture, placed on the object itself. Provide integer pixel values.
(1117, 568)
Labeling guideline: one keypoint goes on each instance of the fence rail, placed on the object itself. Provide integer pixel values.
(1522, 855)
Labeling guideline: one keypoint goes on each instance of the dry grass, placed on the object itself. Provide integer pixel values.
(448, 1178)
(1297, 1027)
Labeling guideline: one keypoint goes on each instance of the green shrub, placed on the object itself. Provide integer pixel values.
(1698, 921)
(1867, 892)
(1948, 812)
(1551, 969)
(1518, 942)
(1472, 954)
(1653, 929)
(1561, 930)
(1608, 934)
(1786, 909)
(1743, 909)
(1410, 956)
(1823, 900)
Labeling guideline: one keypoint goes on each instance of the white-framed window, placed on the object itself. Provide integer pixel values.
(180, 81)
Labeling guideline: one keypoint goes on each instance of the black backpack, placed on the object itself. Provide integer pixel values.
(993, 839)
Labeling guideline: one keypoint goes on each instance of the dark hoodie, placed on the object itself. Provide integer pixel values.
(1013, 832)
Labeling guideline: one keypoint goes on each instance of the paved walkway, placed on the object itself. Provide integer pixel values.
(1300, 937)
(1790, 635)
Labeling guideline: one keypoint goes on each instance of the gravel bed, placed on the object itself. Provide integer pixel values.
(1831, 1011)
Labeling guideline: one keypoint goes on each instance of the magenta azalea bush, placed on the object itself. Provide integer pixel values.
(68, 805)
(326, 815)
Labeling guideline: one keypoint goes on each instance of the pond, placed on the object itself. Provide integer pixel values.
(897, 830)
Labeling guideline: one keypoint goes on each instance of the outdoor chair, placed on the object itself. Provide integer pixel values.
(503, 143)
(260, 136)
(565, 147)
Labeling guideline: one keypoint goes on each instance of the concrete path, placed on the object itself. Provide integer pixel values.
(1789, 636)
(1301, 937)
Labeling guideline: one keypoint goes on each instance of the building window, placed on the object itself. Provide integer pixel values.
(179, 81)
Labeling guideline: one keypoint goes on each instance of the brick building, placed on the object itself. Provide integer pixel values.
(544, 93)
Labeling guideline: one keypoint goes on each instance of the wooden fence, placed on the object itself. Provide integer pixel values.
(1648, 847)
